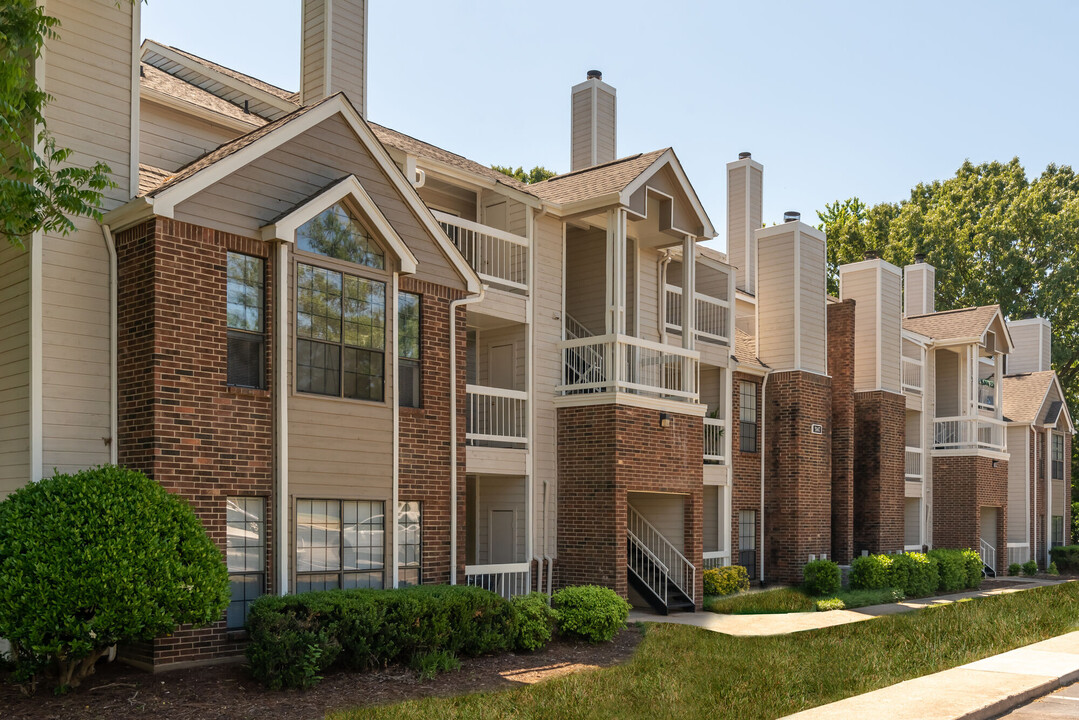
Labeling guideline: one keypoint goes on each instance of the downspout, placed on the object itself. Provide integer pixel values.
(764, 418)
(454, 304)
(281, 397)
(662, 284)
(114, 393)
(395, 491)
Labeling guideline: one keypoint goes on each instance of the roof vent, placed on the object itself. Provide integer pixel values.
(871, 255)
(919, 257)
(594, 75)
(792, 216)
(745, 155)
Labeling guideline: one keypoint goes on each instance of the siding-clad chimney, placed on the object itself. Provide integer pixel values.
(876, 288)
(593, 123)
(791, 289)
(919, 288)
(745, 186)
(334, 51)
(1032, 339)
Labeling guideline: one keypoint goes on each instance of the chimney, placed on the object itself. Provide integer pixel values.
(791, 298)
(919, 287)
(334, 51)
(593, 122)
(745, 185)
(1032, 340)
(876, 286)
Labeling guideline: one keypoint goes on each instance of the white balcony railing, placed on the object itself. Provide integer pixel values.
(969, 433)
(495, 415)
(914, 463)
(497, 256)
(713, 441)
(716, 559)
(509, 580)
(1018, 553)
(712, 319)
(609, 363)
(912, 376)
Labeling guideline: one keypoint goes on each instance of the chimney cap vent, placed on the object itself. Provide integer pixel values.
(871, 255)
(792, 216)
(745, 155)
(594, 75)
(919, 257)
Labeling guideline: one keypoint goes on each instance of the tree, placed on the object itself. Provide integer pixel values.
(37, 191)
(535, 175)
(995, 237)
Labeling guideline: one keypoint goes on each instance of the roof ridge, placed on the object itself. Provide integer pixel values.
(953, 310)
(600, 166)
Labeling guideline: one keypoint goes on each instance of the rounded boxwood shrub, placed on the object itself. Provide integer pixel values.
(951, 569)
(914, 573)
(871, 572)
(590, 612)
(725, 580)
(821, 577)
(974, 566)
(535, 618)
(96, 558)
(1015, 569)
(1030, 568)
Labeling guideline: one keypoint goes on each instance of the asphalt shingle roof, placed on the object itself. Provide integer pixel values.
(950, 324)
(595, 181)
(745, 349)
(281, 93)
(1024, 394)
(156, 79)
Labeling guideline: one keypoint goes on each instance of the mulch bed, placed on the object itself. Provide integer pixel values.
(120, 692)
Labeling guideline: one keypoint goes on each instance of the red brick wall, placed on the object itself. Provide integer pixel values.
(605, 452)
(841, 368)
(180, 422)
(424, 470)
(879, 472)
(798, 473)
(745, 473)
(962, 486)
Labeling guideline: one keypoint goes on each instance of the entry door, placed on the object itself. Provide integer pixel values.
(503, 537)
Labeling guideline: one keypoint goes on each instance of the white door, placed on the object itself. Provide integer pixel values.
(502, 538)
(989, 526)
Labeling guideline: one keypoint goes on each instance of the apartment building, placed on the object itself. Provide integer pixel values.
(370, 362)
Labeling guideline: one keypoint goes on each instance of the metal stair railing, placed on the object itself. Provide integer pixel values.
(643, 563)
(681, 572)
(584, 364)
(989, 558)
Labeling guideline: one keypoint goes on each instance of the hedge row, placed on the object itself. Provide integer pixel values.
(295, 639)
(726, 580)
(1066, 558)
(918, 574)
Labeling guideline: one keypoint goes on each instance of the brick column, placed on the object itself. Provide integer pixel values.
(879, 471)
(963, 485)
(841, 368)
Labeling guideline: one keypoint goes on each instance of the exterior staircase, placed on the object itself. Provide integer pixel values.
(583, 365)
(989, 559)
(656, 569)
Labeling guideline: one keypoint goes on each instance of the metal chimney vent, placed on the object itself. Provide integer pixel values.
(792, 216)
(594, 74)
(744, 155)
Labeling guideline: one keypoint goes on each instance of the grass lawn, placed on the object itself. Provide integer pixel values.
(788, 600)
(685, 672)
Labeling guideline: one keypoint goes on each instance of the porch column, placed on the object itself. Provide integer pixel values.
(616, 271)
(689, 291)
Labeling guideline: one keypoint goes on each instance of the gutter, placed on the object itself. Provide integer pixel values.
(454, 304)
(114, 391)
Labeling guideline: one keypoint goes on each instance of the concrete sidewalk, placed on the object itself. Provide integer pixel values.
(976, 691)
(783, 623)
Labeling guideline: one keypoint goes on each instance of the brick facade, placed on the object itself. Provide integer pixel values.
(745, 474)
(180, 422)
(879, 471)
(798, 473)
(604, 453)
(962, 486)
(841, 368)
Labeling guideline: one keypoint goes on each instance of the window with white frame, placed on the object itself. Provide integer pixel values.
(987, 383)
(337, 233)
(339, 544)
(245, 554)
(410, 544)
(408, 349)
(246, 320)
(747, 541)
(747, 417)
(1057, 457)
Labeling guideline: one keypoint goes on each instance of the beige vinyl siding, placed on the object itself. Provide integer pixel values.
(665, 512)
(1030, 339)
(290, 174)
(1018, 482)
(912, 521)
(860, 285)
(667, 213)
(813, 331)
(651, 294)
(712, 389)
(891, 336)
(14, 368)
(488, 339)
(586, 286)
(711, 518)
(348, 49)
(914, 431)
(498, 493)
(775, 296)
(916, 278)
(606, 126)
(448, 198)
(313, 77)
(947, 383)
(581, 130)
(736, 226)
(170, 139)
(546, 370)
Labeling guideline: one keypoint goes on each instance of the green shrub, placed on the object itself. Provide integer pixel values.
(294, 639)
(914, 573)
(1030, 568)
(429, 664)
(972, 561)
(535, 618)
(726, 580)
(830, 604)
(96, 558)
(1066, 557)
(951, 569)
(590, 612)
(1015, 569)
(821, 577)
(1052, 569)
(870, 572)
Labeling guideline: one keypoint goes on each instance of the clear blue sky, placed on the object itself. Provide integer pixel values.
(834, 98)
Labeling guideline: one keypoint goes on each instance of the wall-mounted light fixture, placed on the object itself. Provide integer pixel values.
(996, 463)
(664, 420)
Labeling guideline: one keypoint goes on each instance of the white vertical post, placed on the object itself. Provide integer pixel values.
(689, 291)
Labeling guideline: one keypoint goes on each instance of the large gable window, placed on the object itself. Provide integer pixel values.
(335, 232)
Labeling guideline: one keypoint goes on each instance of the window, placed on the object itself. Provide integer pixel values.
(408, 349)
(1058, 530)
(341, 334)
(336, 233)
(245, 555)
(339, 544)
(246, 322)
(747, 416)
(1057, 458)
(747, 541)
(409, 544)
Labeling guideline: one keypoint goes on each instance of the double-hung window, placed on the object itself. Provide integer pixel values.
(246, 321)
(339, 544)
(408, 349)
(1057, 457)
(747, 417)
(410, 544)
(245, 554)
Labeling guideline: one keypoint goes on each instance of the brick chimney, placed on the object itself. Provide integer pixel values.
(919, 288)
(333, 51)
(745, 186)
(593, 125)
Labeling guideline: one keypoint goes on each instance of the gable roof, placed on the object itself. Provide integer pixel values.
(595, 181)
(962, 324)
(151, 177)
(1024, 394)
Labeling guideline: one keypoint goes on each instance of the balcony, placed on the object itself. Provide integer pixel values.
(713, 441)
(914, 464)
(712, 317)
(498, 257)
(912, 376)
(620, 363)
(496, 417)
(969, 433)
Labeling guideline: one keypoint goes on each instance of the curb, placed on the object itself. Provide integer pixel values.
(1008, 704)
